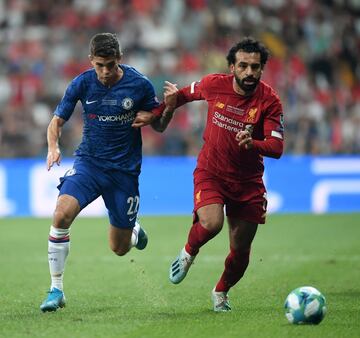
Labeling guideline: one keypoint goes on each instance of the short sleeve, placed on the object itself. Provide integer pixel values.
(150, 100)
(68, 102)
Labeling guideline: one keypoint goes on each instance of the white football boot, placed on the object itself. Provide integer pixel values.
(180, 266)
(220, 301)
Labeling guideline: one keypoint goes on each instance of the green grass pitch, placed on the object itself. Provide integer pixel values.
(131, 296)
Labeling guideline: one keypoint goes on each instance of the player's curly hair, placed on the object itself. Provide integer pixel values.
(105, 45)
(248, 45)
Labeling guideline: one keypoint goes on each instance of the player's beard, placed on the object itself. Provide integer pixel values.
(247, 88)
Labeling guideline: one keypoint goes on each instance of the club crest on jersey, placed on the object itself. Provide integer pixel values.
(127, 103)
(251, 115)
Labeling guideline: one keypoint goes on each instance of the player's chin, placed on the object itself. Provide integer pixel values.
(105, 80)
(249, 87)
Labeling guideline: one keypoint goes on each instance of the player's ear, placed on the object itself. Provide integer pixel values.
(91, 59)
(231, 67)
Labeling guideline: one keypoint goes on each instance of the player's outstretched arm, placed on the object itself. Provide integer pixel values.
(161, 123)
(158, 123)
(143, 118)
(170, 100)
(170, 94)
(53, 136)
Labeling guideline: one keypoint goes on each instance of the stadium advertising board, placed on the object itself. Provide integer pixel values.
(294, 183)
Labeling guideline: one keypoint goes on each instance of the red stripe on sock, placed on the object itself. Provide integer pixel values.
(59, 239)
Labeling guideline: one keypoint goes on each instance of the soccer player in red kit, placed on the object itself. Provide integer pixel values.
(244, 123)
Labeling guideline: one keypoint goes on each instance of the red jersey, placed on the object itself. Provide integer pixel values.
(228, 113)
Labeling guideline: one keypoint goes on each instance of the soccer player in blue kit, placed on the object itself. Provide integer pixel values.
(108, 160)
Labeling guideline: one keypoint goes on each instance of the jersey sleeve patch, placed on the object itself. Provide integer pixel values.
(276, 134)
(192, 87)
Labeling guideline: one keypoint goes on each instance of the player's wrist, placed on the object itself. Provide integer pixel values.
(54, 150)
(168, 112)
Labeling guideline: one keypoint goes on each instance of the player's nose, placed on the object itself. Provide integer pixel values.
(248, 71)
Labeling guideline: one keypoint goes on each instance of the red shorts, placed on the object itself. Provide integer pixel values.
(245, 200)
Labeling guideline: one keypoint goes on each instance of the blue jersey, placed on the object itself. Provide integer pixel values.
(108, 139)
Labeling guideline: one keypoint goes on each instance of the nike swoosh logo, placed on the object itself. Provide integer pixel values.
(90, 102)
(132, 218)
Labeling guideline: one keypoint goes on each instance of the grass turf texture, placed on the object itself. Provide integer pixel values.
(130, 296)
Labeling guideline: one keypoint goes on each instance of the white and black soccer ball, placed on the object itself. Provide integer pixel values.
(305, 305)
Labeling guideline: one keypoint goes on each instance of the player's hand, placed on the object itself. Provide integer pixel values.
(53, 156)
(244, 139)
(170, 95)
(142, 119)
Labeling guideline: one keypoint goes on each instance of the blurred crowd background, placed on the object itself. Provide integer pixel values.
(314, 65)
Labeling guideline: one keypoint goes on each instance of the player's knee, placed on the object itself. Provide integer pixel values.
(120, 250)
(62, 218)
(213, 225)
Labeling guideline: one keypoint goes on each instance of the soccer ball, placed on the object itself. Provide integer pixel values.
(305, 305)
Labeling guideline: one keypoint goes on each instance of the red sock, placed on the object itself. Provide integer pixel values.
(198, 236)
(235, 265)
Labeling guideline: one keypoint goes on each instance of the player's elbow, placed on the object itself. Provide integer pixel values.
(278, 151)
(277, 148)
(277, 155)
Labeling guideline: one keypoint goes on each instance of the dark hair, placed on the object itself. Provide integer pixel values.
(105, 45)
(248, 45)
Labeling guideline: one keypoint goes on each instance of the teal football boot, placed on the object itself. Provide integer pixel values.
(54, 300)
(180, 267)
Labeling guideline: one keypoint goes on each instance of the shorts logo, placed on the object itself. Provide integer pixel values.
(70, 172)
(127, 103)
(198, 197)
(251, 115)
